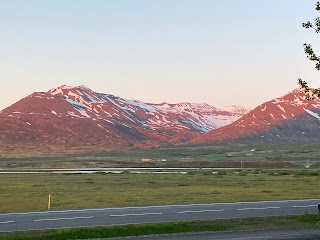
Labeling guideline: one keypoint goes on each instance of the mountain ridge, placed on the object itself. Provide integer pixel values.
(289, 118)
(77, 117)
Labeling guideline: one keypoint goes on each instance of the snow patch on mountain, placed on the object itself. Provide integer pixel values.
(237, 109)
(84, 113)
(281, 108)
(316, 115)
(200, 117)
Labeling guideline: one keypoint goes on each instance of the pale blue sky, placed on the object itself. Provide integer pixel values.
(219, 52)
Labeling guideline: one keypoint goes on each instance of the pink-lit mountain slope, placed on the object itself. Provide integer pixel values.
(67, 118)
(289, 118)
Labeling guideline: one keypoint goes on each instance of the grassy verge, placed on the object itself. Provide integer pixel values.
(213, 155)
(306, 220)
(29, 192)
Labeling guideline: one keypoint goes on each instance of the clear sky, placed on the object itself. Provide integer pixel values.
(241, 52)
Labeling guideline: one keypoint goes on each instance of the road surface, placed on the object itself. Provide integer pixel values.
(151, 214)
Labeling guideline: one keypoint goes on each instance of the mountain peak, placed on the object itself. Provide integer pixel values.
(66, 87)
(287, 118)
(237, 109)
(82, 87)
(78, 117)
(297, 92)
(80, 94)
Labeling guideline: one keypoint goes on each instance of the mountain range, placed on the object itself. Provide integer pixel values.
(289, 118)
(77, 119)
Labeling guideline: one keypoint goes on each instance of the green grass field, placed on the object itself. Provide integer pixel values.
(306, 220)
(29, 192)
(217, 155)
(277, 171)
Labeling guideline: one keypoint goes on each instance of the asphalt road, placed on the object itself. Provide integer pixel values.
(149, 214)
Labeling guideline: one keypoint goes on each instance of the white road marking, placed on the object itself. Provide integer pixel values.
(219, 210)
(243, 209)
(305, 206)
(57, 219)
(135, 214)
(7, 222)
(160, 206)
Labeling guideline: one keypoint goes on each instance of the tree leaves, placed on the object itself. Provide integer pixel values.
(318, 6)
(311, 56)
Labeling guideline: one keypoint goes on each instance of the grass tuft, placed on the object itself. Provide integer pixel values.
(306, 220)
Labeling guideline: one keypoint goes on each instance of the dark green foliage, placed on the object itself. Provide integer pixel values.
(309, 218)
(222, 173)
(311, 56)
(306, 220)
